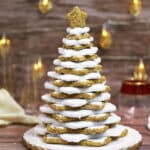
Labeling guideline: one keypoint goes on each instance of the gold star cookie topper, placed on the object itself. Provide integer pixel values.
(77, 18)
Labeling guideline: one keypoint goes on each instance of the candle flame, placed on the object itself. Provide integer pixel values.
(4, 45)
(45, 6)
(4, 40)
(140, 71)
(45, 2)
(35, 66)
(141, 65)
(105, 38)
(38, 65)
(38, 70)
(105, 32)
(136, 1)
(135, 7)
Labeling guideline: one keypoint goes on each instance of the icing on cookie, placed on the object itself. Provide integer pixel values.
(97, 127)
(77, 42)
(74, 90)
(77, 30)
(71, 77)
(76, 102)
(74, 137)
(109, 107)
(40, 130)
(69, 52)
(83, 124)
(79, 124)
(113, 118)
(77, 65)
(47, 120)
(66, 102)
(102, 97)
(79, 113)
(93, 127)
(93, 88)
(46, 109)
(114, 131)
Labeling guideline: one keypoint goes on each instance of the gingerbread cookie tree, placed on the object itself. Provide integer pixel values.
(77, 110)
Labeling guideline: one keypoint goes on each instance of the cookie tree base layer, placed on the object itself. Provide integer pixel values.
(131, 141)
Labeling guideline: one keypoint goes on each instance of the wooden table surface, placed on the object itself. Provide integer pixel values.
(11, 136)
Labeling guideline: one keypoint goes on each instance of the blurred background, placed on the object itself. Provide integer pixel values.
(35, 35)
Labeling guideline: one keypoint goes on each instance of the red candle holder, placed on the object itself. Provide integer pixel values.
(135, 87)
(134, 100)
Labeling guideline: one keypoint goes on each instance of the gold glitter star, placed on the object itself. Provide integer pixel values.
(77, 17)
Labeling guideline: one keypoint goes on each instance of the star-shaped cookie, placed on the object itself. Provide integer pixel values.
(77, 18)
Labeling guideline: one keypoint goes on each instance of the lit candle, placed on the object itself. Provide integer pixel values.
(37, 70)
(37, 74)
(4, 50)
(105, 38)
(104, 32)
(4, 45)
(135, 7)
(140, 71)
(45, 6)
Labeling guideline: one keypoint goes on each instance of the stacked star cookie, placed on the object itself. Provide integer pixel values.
(77, 108)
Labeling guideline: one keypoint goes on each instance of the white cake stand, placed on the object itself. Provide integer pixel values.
(131, 141)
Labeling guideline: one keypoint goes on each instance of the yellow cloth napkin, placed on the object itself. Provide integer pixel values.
(11, 112)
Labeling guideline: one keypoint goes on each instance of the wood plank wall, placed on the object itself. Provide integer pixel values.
(35, 34)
